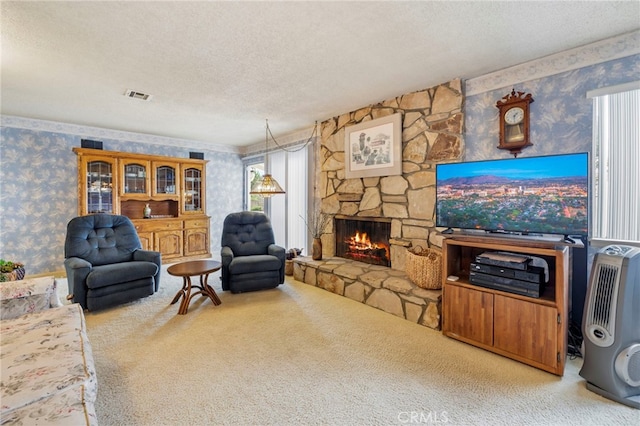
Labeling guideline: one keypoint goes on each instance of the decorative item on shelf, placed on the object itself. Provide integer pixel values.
(289, 256)
(514, 121)
(268, 186)
(424, 267)
(147, 211)
(293, 253)
(11, 271)
(317, 223)
(316, 249)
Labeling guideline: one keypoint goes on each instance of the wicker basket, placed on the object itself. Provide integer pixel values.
(424, 267)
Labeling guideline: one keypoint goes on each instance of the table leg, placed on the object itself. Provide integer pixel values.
(184, 305)
(182, 292)
(207, 290)
(186, 295)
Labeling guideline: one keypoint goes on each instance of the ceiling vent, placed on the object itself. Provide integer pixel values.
(137, 95)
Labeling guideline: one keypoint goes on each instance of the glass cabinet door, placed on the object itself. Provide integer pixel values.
(135, 180)
(99, 195)
(165, 180)
(193, 196)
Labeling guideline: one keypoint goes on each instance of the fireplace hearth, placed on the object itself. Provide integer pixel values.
(363, 239)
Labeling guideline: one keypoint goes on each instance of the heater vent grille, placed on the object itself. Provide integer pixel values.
(602, 311)
(138, 95)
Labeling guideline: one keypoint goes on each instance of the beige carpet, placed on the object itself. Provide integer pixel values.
(299, 355)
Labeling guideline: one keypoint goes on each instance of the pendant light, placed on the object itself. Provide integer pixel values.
(267, 186)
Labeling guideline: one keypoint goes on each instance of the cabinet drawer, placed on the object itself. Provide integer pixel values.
(151, 225)
(196, 223)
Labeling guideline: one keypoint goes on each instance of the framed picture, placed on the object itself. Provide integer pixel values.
(374, 148)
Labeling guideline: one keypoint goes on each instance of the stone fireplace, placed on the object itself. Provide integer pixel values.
(363, 239)
(431, 133)
(432, 123)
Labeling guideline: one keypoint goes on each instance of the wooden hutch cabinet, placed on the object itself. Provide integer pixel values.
(174, 188)
(528, 329)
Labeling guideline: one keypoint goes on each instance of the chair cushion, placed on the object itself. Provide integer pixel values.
(116, 273)
(101, 239)
(248, 264)
(247, 233)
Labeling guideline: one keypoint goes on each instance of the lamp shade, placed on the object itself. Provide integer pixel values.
(266, 187)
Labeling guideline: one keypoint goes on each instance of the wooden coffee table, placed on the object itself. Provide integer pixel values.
(186, 270)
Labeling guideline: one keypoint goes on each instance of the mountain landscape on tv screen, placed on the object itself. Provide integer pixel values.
(554, 205)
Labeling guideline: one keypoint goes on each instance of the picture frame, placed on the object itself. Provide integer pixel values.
(374, 148)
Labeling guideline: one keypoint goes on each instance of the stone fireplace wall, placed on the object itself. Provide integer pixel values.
(432, 126)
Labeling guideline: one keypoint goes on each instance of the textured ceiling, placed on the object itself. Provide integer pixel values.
(216, 70)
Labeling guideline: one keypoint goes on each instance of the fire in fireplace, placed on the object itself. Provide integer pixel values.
(363, 239)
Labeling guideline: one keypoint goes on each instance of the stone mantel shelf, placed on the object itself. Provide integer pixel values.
(378, 286)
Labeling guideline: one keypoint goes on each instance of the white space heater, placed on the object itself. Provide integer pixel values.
(611, 325)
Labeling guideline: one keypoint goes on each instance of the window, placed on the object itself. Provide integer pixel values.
(616, 164)
(254, 172)
(291, 170)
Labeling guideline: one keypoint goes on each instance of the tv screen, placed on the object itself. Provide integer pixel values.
(531, 195)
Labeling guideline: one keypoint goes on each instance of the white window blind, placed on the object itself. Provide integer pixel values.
(616, 164)
(290, 169)
(278, 203)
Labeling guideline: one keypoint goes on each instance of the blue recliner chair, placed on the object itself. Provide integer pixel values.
(250, 258)
(105, 263)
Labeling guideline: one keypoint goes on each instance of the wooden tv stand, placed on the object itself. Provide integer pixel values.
(528, 329)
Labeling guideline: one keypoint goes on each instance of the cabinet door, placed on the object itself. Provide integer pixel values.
(196, 241)
(468, 314)
(168, 243)
(97, 185)
(527, 329)
(146, 240)
(165, 182)
(135, 178)
(193, 189)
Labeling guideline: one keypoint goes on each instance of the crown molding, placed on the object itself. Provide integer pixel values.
(605, 50)
(101, 133)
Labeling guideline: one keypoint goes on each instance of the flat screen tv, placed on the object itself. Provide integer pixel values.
(526, 196)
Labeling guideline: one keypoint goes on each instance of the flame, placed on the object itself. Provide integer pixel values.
(361, 242)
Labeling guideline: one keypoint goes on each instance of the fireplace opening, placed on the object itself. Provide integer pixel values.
(363, 239)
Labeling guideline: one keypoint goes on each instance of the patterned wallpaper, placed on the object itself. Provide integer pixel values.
(560, 113)
(38, 173)
(38, 191)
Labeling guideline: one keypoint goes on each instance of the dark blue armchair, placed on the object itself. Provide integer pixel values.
(105, 263)
(250, 258)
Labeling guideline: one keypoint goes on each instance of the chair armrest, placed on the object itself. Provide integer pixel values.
(150, 256)
(277, 251)
(77, 271)
(226, 255)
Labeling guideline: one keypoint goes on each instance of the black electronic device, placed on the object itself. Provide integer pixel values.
(526, 196)
(534, 274)
(504, 259)
(88, 143)
(511, 285)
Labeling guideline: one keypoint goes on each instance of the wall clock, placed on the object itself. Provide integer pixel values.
(514, 121)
